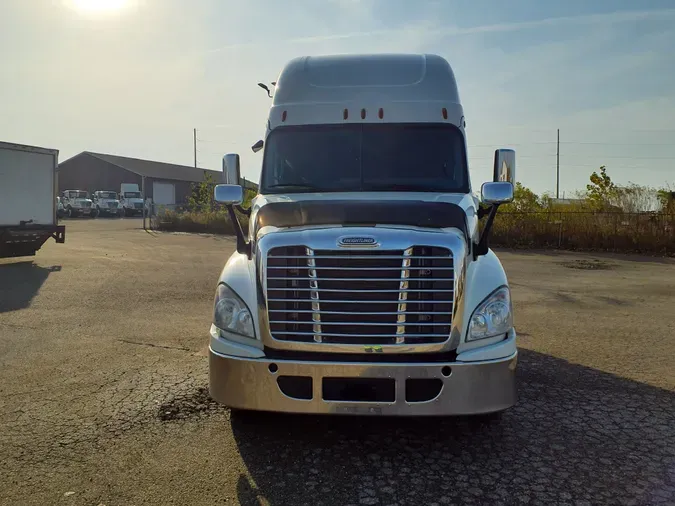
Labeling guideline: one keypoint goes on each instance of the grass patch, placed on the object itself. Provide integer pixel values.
(212, 222)
(643, 233)
(652, 234)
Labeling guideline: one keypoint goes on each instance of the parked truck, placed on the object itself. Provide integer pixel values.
(28, 203)
(363, 283)
(106, 203)
(77, 203)
(131, 200)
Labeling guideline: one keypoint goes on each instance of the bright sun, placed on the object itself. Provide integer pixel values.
(99, 5)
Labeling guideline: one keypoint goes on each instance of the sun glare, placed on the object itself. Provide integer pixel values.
(99, 5)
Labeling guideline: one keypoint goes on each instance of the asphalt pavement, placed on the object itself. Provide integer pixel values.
(103, 400)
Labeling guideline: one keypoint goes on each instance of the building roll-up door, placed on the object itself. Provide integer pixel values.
(163, 193)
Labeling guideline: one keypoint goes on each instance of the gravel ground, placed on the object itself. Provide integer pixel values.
(103, 399)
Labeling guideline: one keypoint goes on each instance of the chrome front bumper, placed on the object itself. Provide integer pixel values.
(467, 387)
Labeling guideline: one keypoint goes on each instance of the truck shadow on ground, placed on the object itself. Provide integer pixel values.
(20, 282)
(576, 434)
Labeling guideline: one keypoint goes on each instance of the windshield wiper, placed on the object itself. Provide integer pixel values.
(295, 185)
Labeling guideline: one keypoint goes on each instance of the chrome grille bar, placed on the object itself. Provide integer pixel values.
(295, 289)
(363, 257)
(361, 313)
(357, 323)
(326, 334)
(402, 278)
(355, 302)
(369, 268)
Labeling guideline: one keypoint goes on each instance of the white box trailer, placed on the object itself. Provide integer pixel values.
(27, 199)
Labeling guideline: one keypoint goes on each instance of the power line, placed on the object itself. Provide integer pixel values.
(208, 141)
(626, 130)
(619, 143)
(519, 157)
(509, 144)
(210, 152)
(626, 157)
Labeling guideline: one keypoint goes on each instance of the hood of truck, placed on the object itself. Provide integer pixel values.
(107, 202)
(412, 209)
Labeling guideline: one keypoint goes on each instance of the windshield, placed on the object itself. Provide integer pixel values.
(132, 195)
(107, 195)
(78, 195)
(368, 157)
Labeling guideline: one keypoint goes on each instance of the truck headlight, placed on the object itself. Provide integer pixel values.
(492, 317)
(231, 314)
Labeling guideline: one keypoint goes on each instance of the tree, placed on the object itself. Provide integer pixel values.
(202, 194)
(524, 200)
(635, 198)
(666, 200)
(602, 192)
(249, 195)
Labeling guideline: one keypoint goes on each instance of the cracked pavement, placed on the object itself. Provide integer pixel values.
(103, 400)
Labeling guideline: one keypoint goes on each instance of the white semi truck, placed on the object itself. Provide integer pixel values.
(131, 199)
(106, 203)
(77, 203)
(28, 203)
(363, 283)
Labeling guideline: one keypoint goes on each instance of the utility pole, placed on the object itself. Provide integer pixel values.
(195, 145)
(557, 168)
(143, 192)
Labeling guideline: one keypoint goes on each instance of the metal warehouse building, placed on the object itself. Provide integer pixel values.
(165, 183)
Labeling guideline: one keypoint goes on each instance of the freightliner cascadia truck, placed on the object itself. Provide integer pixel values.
(364, 282)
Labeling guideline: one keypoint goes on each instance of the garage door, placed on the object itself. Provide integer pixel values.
(163, 193)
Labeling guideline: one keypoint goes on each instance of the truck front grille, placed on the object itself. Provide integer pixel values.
(360, 297)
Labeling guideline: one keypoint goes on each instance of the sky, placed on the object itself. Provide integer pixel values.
(136, 79)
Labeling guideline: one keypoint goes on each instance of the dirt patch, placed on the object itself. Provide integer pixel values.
(190, 405)
(589, 264)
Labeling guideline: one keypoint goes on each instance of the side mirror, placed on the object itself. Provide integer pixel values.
(230, 194)
(257, 146)
(505, 166)
(231, 171)
(233, 195)
(496, 193)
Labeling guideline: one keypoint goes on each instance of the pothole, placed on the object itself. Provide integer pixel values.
(588, 264)
(190, 405)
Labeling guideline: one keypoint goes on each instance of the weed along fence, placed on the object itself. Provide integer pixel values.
(201, 219)
(648, 233)
(585, 230)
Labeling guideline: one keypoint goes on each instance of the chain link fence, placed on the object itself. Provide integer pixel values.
(213, 219)
(652, 233)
